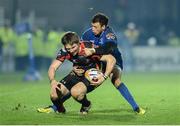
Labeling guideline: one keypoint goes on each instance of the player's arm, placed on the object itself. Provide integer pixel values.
(52, 70)
(51, 74)
(61, 56)
(107, 48)
(110, 63)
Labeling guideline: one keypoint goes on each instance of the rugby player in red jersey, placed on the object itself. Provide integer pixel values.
(75, 84)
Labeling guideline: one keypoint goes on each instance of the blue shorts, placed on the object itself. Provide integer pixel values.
(118, 58)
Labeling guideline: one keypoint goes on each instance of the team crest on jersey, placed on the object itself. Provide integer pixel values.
(110, 36)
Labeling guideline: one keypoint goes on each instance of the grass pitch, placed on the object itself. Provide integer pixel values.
(158, 93)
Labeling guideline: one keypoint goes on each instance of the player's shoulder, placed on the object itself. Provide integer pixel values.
(62, 55)
(62, 52)
(87, 32)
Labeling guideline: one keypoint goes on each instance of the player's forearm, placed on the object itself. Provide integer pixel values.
(52, 69)
(110, 63)
(105, 49)
(51, 74)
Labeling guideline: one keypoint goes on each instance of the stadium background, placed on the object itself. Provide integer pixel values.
(149, 38)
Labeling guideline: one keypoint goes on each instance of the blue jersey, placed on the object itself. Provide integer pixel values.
(106, 36)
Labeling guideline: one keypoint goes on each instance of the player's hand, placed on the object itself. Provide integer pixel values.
(98, 81)
(89, 51)
(78, 70)
(55, 88)
(54, 85)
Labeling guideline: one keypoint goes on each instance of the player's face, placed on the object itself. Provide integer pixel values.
(97, 28)
(72, 49)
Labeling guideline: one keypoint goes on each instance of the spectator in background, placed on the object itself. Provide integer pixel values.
(132, 33)
(21, 51)
(7, 42)
(152, 41)
(161, 35)
(173, 39)
(132, 36)
(38, 47)
(51, 45)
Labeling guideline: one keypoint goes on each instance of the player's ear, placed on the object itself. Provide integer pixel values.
(103, 27)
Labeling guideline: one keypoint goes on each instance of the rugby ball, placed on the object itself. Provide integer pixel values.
(93, 74)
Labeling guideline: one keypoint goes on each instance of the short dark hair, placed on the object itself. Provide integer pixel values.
(70, 38)
(101, 18)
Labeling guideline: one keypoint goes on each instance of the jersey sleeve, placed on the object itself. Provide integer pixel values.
(109, 43)
(62, 55)
(110, 37)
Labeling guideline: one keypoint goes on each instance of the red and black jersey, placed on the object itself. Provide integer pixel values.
(79, 59)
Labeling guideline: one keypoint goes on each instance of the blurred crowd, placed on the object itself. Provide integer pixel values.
(133, 36)
(140, 36)
(14, 48)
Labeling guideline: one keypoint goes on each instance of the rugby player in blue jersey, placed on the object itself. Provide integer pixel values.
(106, 42)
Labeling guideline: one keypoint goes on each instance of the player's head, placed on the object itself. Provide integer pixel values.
(70, 40)
(99, 23)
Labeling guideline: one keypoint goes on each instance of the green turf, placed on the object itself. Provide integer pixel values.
(158, 93)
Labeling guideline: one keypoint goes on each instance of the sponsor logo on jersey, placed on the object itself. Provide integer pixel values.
(110, 36)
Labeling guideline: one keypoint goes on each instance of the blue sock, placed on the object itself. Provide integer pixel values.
(126, 94)
(54, 107)
(62, 100)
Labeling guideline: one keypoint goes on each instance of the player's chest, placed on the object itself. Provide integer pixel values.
(97, 40)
